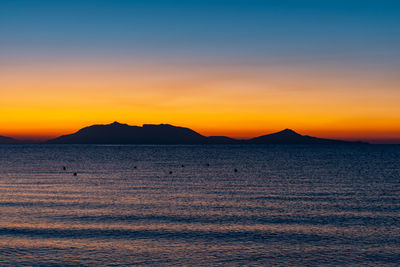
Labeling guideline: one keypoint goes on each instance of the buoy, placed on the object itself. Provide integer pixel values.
(235, 170)
(134, 167)
(170, 172)
(183, 165)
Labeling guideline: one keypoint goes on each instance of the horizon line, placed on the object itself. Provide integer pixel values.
(37, 139)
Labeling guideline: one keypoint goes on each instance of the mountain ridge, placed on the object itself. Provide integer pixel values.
(119, 133)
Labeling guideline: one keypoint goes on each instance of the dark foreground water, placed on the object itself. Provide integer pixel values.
(285, 205)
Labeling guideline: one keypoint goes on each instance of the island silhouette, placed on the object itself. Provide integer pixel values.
(8, 140)
(118, 133)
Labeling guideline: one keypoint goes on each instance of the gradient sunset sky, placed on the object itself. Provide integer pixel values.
(241, 68)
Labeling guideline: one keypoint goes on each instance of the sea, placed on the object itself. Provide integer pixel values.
(200, 205)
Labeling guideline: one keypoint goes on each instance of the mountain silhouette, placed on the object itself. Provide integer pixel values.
(118, 133)
(288, 136)
(7, 140)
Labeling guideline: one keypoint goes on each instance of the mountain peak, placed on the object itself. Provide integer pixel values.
(116, 123)
(288, 131)
(289, 136)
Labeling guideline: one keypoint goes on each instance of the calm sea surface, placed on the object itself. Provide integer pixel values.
(285, 205)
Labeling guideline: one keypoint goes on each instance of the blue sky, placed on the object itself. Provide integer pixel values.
(241, 30)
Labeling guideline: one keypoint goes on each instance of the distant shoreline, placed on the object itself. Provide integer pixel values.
(165, 134)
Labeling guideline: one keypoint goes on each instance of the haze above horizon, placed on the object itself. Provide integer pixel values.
(235, 68)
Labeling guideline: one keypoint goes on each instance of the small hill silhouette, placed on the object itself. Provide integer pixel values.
(222, 140)
(118, 133)
(7, 140)
(288, 136)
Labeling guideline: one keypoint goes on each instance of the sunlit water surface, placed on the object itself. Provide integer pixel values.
(285, 205)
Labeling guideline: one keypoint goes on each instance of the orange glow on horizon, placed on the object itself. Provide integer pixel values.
(48, 100)
(343, 134)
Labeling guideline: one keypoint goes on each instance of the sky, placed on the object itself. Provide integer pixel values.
(239, 68)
